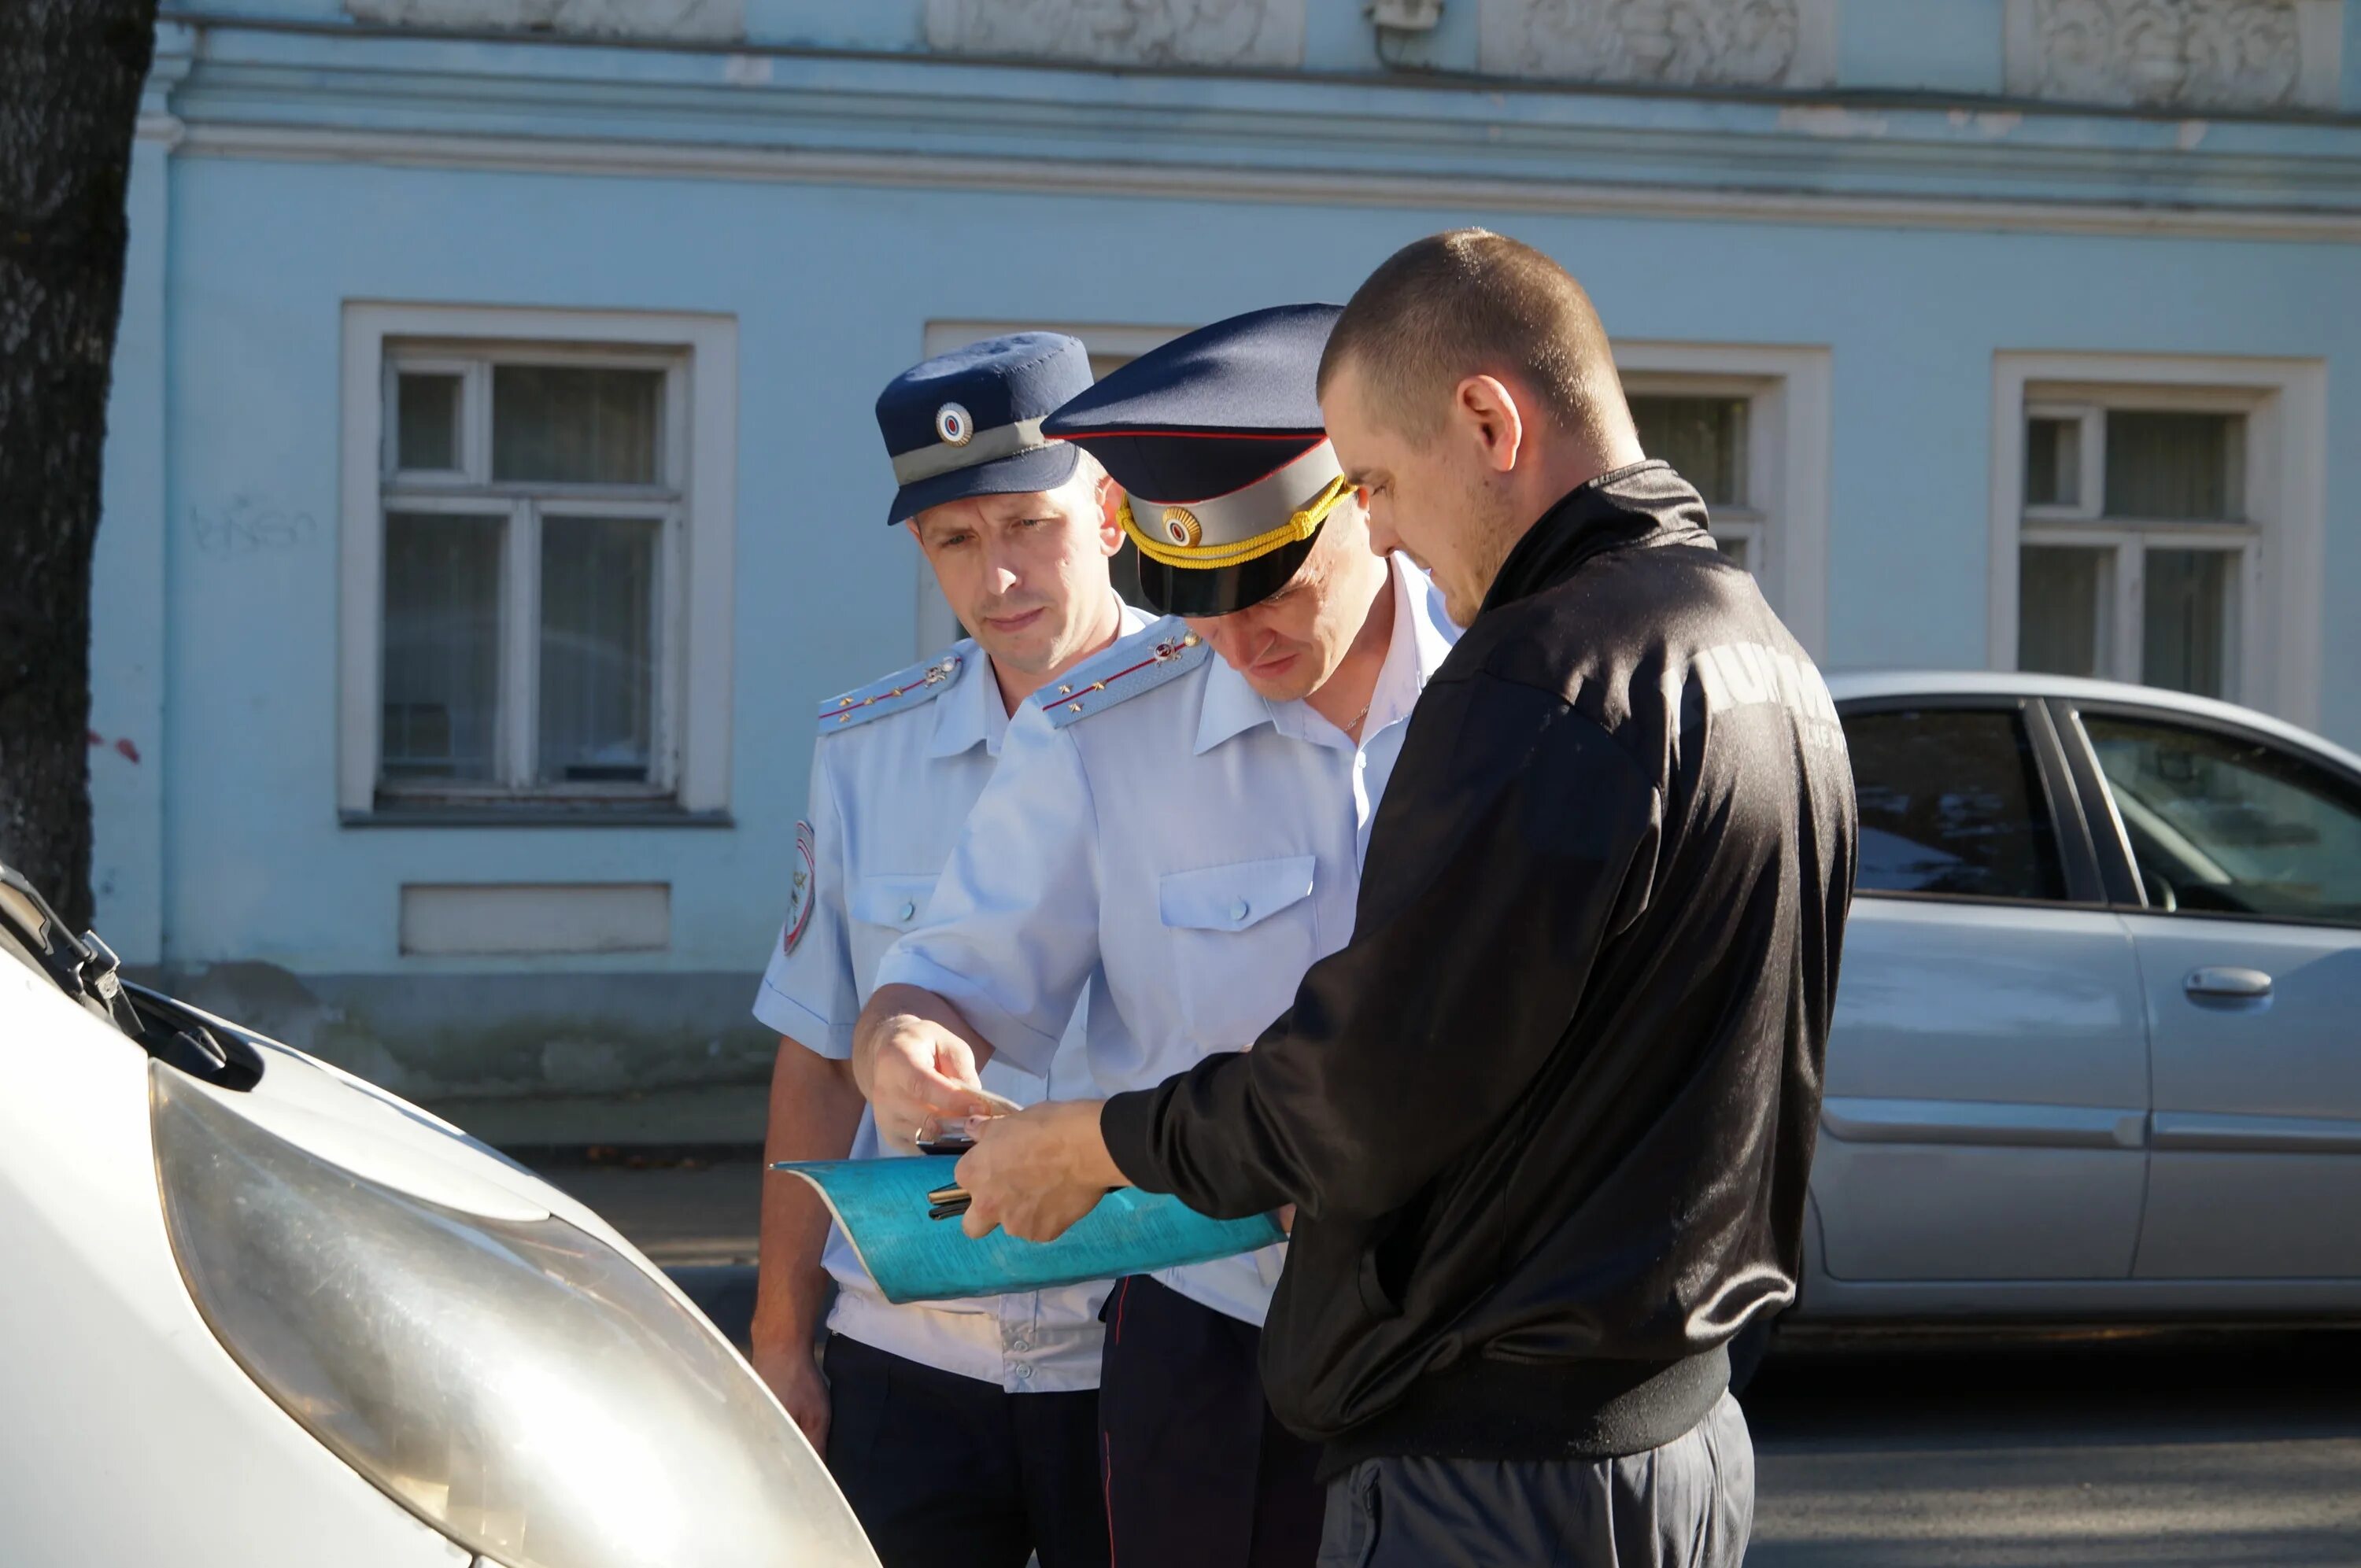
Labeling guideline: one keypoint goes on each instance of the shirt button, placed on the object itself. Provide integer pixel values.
(1020, 1345)
(1238, 910)
(909, 909)
(1025, 1370)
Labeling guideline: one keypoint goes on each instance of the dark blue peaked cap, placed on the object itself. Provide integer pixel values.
(1159, 422)
(1217, 441)
(969, 423)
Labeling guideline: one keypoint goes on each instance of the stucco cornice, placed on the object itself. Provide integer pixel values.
(916, 123)
(427, 149)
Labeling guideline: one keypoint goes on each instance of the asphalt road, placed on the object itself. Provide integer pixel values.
(2161, 1453)
(2169, 1454)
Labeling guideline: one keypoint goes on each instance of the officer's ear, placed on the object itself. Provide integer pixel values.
(1109, 497)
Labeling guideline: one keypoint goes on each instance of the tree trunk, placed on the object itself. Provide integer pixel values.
(71, 73)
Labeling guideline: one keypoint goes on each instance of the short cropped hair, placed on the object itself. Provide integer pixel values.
(1472, 302)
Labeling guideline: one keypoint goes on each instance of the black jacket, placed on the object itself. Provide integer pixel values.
(1548, 1116)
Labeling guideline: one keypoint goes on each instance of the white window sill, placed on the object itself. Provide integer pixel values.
(534, 814)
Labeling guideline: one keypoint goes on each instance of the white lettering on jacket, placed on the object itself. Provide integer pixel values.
(1744, 674)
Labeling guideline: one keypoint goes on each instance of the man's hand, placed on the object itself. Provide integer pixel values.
(923, 1075)
(918, 1062)
(793, 1372)
(1033, 1174)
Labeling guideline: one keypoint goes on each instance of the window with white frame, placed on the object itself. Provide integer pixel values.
(2161, 520)
(1707, 437)
(540, 529)
(2138, 553)
(1746, 424)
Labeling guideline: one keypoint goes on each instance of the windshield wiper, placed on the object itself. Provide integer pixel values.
(86, 969)
(83, 967)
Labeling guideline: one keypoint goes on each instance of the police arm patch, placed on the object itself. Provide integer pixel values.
(804, 891)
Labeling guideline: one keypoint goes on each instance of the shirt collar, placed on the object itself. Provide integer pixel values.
(970, 714)
(1229, 708)
(1420, 643)
(1417, 600)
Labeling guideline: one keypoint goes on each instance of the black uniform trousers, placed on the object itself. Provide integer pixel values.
(1199, 1473)
(1689, 1504)
(943, 1469)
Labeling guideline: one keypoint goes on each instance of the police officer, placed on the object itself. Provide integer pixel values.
(965, 1428)
(1176, 829)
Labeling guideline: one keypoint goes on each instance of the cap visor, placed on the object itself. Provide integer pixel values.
(1179, 590)
(1043, 469)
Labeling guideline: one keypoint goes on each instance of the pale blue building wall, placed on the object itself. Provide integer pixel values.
(291, 166)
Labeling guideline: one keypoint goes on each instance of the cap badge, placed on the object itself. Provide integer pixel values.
(1181, 527)
(954, 424)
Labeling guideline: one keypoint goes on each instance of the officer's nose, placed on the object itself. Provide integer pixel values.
(1000, 573)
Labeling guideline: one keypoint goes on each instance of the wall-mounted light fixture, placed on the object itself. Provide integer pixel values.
(1405, 16)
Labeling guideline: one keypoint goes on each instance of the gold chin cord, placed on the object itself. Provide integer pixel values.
(1302, 525)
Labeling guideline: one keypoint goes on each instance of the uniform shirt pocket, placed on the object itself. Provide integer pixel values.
(894, 903)
(1242, 935)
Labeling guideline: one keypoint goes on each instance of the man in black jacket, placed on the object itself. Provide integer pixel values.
(1547, 1118)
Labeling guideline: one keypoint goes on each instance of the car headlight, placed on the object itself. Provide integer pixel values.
(520, 1385)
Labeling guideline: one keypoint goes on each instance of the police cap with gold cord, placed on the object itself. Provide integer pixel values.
(1217, 443)
(1176, 828)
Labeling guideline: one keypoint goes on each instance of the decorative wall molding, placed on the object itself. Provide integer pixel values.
(1067, 177)
(2178, 54)
(695, 19)
(1680, 43)
(916, 122)
(1123, 32)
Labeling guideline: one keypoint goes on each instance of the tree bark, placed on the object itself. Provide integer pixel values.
(70, 74)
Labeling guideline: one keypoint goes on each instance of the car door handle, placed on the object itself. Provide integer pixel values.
(2222, 983)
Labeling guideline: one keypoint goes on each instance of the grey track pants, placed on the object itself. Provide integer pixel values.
(1689, 1504)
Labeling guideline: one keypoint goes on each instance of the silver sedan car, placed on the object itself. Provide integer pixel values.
(2097, 1049)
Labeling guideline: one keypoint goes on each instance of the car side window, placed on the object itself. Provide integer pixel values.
(2226, 825)
(1952, 803)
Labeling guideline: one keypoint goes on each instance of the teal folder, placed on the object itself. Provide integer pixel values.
(881, 1206)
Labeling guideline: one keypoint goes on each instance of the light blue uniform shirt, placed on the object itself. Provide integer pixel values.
(1179, 851)
(897, 766)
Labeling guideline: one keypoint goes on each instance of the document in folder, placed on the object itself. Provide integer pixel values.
(881, 1204)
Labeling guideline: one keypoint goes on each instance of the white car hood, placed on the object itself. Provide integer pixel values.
(383, 1138)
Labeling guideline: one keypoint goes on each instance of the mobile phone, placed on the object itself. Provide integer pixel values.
(949, 1141)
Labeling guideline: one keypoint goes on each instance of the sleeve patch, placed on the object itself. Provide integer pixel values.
(803, 892)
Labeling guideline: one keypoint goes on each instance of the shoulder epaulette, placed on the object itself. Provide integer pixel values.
(921, 682)
(1139, 663)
